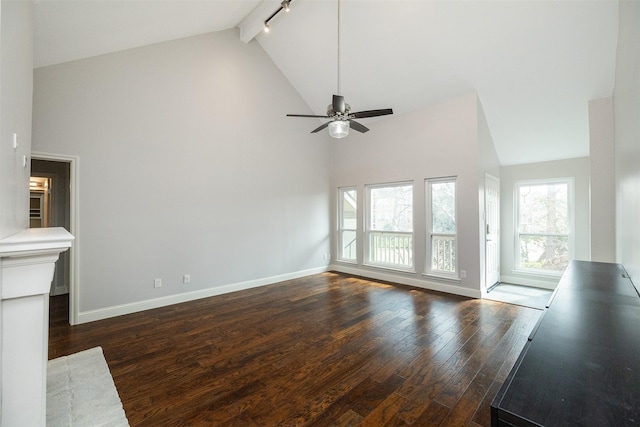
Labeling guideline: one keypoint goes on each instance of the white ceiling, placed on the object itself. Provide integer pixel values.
(535, 64)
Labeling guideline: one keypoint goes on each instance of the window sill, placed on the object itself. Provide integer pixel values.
(390, 268)
(442, 277)
(347, 261)
(538, 273)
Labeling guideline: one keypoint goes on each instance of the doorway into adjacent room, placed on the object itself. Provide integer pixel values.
(52, 204)
(49, 206)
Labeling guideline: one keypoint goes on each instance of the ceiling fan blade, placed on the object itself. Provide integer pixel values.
(338, 104)
(307, 115)
(371, 113)
(319, 128)
(357, 126)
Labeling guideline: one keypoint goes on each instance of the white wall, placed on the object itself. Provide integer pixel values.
(578, 169)
(188, 164)
(438, 141)
(627, 139)
(602, 180)
(16, 63)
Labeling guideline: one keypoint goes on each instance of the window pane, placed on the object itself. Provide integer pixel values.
(544, 252)
(392, 208)
(348, 249)
(347, 224)
(443, 254)
(443, 207)
(349, 209)
(543, 208)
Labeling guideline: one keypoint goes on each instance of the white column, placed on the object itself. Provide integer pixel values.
(27, 263)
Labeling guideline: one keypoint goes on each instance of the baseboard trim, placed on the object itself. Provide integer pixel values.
(525, 281)
(120, 310)
(409, 281)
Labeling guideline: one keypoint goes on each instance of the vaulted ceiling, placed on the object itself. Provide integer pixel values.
(534, 64)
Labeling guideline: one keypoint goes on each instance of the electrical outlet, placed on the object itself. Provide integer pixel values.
(186, 278)
(157, 283)
(327, 257)
(463, 274)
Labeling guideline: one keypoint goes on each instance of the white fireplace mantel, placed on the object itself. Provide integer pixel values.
(27, 264)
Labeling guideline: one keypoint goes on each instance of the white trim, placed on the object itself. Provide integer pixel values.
(536, 283)
(74, 218)
(119, 310)
(340, 229)
(409, 281)
(452, 278)
(496, 180)
(428, 192)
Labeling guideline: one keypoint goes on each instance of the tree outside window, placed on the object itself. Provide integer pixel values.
(441, 223)
(543, 226)
(390, 225)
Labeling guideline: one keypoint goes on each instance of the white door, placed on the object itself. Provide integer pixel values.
(492, 229)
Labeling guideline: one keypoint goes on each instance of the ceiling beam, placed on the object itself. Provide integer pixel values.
(253, 23)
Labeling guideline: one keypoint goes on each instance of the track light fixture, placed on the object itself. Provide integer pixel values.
(285, 5)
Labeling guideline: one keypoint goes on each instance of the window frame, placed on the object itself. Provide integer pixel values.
(569, 181)
(341, 229)
(429, 234)
(368, 231)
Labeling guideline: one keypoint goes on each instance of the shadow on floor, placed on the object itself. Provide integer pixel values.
(520, 295)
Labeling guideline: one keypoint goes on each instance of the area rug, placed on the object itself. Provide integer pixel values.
(81, 392)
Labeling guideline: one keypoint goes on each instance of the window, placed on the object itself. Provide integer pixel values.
(543, 225)
(441, 227)
(390, 225)
(347, 223)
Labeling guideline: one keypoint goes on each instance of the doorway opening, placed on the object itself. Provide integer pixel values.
(52, 189)
(49, 206)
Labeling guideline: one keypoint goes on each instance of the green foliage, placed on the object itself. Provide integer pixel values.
(392, 208)
(443, 207)
(543, 225)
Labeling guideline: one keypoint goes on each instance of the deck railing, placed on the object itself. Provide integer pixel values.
(348, 248)
(391, 248)
(443, 253)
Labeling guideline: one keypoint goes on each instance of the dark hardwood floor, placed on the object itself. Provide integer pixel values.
(324, 350)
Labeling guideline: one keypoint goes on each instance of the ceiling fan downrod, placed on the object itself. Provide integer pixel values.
(339, 112)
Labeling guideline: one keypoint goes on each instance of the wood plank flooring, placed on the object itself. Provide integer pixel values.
(324, 350)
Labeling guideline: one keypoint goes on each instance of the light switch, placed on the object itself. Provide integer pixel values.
(15, 140)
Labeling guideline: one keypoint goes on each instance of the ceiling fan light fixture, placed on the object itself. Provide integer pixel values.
(266, 28)
(286, 5)
(339, 128)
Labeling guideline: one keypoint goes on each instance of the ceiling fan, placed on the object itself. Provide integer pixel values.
(340, 112)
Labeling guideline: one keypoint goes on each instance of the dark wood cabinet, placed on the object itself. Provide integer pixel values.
(581, 366)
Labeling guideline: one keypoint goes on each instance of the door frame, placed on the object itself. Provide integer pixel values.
(74, 251)
(489, 177)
